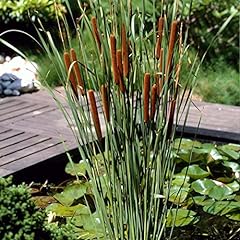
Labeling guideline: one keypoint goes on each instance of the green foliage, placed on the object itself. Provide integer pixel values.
(219, 83)
(212, 181)
(206, 18)
(21, 10)
(21, 219)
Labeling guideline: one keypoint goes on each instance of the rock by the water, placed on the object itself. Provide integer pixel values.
(17, 76)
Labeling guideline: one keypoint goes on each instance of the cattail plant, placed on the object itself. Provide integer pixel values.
(133, 86)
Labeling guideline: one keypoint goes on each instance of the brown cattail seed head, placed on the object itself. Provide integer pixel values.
(153, 100)
(146, 97)
(114, 58)
(67, 62)
(159, 37)
(96, 32)
(77, 70)
(105, 102)
(171, 45)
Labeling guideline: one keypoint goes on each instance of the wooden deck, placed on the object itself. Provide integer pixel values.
(32, 129)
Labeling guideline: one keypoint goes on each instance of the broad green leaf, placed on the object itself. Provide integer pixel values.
(235, 216)
(221, 207)
(194, 155)
(233, 165)
(178, 194)
(234, 147)
(198, 200)
(181, 217)
(70, 193)
(195, 172)
(181, 180)
(219, 192)
(227, 151)
(64, 211)
(186, 144)
(79, 169)
(234, 186)
(203, 186)
(237, 198)
(215, 155)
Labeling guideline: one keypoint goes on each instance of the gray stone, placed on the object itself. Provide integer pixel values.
(15, 85)
(16, 93)
(5, 84)
(8, 92)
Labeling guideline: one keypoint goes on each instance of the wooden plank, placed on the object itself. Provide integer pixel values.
(37, 148)
(35, 158)
(5, 172)
(9, 134)
(22, 145)
(16, 108)
(21, 114)
(15, 140)
(9, 104)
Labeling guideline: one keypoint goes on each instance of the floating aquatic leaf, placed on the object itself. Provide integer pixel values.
(195, 172)
(178, 194)
(235, 216)
(234, 186)
(79, 169)
(215, 155)
(181, 180)
(233, 165)
(234, 147)
(186, 143)
(71, 192)
(64, 211)
(203, 186)
(221, 207)
(181, 217)
(227, 151)
(219, 192)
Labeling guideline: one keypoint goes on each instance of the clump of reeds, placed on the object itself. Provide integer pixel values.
(137, 82)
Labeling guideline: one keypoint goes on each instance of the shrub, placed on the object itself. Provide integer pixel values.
(21, 219)
(20, 11)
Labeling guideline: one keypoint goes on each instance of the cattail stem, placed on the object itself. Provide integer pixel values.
(159, 37)
(146, 97)
(171, 45)
(171, 118)
(77, 70)
(72, 79)
(96, 33)
(94, 112)
(105, 102)
(114, 58)
(124, 51)
(153, 100)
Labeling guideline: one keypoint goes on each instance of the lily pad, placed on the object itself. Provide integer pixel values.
(235, 216)
(178, 194)
(233, 165)
(186, 143)
(79, 169)
(71, 193)
(203, 186)
(181, 217)
(227, 151)
(219, 192)
(221, 207)
(64, 211)
(195, 172)
(234, 186)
